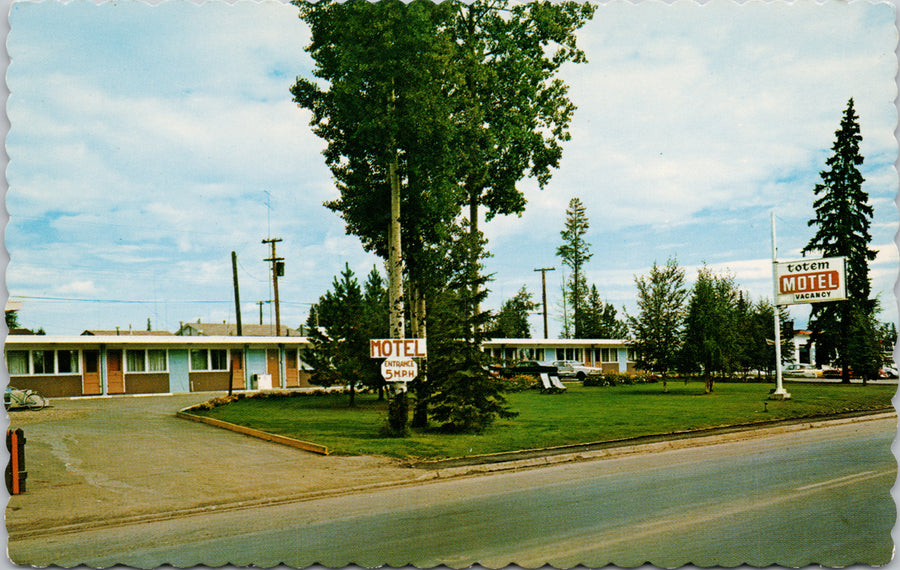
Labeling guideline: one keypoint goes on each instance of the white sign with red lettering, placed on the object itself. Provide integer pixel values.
(397, 348)
(399, 369)
(810, 281)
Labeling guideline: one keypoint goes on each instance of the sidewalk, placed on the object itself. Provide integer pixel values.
(96, 462)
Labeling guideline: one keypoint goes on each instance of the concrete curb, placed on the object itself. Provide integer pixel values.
(283, 440)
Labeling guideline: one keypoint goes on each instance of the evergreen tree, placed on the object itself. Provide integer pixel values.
(843, 216)
(575, 253)
(657, 329)
(600, 319)
(512, 320)
(464, 397)
(340, 345)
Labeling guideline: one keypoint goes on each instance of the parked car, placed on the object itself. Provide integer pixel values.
(530, 367)
(574, 369)
(888, 372)
(802, 371)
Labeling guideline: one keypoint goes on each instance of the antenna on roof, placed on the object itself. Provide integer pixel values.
(268, 213)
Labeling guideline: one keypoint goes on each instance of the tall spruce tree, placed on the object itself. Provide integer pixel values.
(575, 253)
(843, 216)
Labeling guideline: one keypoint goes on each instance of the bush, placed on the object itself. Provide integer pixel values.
(519, 383)
(618, 378)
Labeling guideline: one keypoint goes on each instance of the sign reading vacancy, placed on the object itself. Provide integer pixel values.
(810, 281)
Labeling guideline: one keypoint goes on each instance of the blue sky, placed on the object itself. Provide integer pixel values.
(147, 142)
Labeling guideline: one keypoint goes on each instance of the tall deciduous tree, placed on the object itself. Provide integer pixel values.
(658, 327)
(388, 116)
(843, 216)
(575, 252)
(710, 342)
(517, 110)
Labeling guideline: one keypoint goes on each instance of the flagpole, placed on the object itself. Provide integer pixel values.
(779, 393)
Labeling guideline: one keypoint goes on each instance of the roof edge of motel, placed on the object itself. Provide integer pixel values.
(171, 340)
(267, 340)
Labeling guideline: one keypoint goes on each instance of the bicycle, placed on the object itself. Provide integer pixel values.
(17, 398)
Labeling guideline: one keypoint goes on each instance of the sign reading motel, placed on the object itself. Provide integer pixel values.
(810, 281)
(397, 348)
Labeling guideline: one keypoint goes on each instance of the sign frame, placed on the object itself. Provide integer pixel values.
(821, 280)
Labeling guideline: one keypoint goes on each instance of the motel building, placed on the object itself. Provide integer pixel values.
(99, 364)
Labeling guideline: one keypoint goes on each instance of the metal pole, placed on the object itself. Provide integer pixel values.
(780, 393)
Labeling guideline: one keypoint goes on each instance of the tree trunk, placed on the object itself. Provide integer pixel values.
(417, 326)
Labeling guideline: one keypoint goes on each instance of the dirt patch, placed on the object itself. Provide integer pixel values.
(19, 418)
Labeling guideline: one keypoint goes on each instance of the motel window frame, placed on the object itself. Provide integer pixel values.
(49, 362)
(209, 359)
(146, 362)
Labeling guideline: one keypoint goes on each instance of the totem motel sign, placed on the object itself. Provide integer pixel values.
(799, 282)
(398, 353)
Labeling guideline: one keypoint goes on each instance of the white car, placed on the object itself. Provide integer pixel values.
(574, 369)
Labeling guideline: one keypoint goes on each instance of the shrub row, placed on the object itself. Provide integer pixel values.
(225, 400)
(617, 378)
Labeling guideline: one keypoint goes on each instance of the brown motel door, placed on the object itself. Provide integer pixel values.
(237, 369)
(273, 368)
(115, 377)
(91, 377)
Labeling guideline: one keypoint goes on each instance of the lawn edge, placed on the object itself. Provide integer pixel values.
(274, 438)
(526, 454)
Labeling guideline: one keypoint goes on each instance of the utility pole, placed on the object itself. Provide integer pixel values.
(260, 303)
(277, 270)
(544, 271)
(237, 293)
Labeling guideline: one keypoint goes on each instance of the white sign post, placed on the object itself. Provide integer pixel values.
(799, 282)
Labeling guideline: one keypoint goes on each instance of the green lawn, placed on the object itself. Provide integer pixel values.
(580, 415)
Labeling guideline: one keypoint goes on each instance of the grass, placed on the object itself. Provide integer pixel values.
(580, 415)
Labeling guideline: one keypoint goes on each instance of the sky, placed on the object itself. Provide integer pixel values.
(149, 141)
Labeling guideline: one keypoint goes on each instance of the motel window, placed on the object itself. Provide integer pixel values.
(568, 354)
(43, 361)
(140, 360)
(67, 361)
(199, 359)
(135, 361)
(156, 361)
(17, 362)
(632, 355)
(218, 359)
(609, 355)
(209, 359)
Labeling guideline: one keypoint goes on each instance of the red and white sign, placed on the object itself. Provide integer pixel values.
(399, 369)
(810, 281)
(397, 348)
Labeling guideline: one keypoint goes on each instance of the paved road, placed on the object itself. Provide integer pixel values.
(794, 498)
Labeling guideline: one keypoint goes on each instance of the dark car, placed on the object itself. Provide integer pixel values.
(531, 368)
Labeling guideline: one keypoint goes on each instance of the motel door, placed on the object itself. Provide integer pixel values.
(91, 376)
(273, 367)
(237, 369)
(115, 377)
